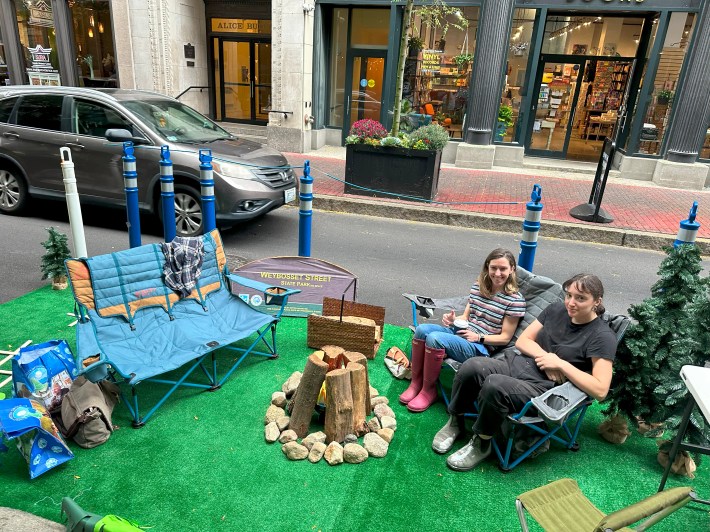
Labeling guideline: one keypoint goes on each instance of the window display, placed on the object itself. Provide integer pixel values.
(438, 70)
(35, 25)
(93, 39)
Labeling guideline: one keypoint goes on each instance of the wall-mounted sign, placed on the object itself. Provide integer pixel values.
(189, 50)
(239, 25)
(41, 14)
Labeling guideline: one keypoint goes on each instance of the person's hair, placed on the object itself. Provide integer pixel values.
(589, 284)
(484, 281)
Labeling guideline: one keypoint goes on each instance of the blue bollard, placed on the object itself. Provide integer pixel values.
(531, 228)
(167, 193)
(130, 182)
(305, 212)
(209, 221)
(688, 228)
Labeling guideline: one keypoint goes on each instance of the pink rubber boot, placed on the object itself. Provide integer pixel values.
(416, 364)
(432, 367)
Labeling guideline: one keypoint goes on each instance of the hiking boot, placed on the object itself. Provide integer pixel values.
(470, 455)
(447, 435)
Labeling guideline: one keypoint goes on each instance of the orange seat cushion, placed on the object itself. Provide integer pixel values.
(428, 109)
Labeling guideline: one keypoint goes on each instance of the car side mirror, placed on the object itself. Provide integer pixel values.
(123, 135)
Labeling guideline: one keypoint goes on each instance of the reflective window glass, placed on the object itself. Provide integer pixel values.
(370, 28)
(338, 53)
(94, 119)
(93, 39)
(591, 35)
(4, 76)
(35, 25)
(40, 111)
(6, 107)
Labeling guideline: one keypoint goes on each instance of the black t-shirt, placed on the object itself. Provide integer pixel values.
(577, 344)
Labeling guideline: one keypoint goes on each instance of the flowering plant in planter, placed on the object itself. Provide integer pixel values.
(370, 132)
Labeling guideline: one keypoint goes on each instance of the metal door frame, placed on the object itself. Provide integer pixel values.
(347, 90)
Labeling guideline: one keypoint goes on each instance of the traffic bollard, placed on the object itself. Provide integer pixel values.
(531, 228)
(688, 228)
(76, 222)
(209, 221)
(130, 182)
(167, 193)
(305, 211)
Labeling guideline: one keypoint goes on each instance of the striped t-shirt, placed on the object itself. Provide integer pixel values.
(486, 315)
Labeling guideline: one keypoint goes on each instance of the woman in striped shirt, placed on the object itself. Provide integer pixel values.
(494, 309)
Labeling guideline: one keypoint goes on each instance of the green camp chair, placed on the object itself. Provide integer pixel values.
(79, 520)
(561, 506)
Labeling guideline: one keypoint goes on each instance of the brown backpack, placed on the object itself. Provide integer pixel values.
(86, 411)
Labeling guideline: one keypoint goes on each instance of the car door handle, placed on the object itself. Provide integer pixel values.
(10, 135)
(75, 145)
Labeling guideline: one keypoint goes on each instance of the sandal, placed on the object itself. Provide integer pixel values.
(398, 363)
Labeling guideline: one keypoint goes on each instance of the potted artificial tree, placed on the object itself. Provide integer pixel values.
(53, 261)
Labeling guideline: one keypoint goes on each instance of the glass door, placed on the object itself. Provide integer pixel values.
(555, 104)
(364, 86)
(245, 91)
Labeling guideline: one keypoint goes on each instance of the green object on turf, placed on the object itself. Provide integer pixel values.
(78, 520)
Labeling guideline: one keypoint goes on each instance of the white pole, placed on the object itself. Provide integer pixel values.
(76, 223)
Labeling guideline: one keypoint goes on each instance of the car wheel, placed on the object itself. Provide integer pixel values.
(188, 211)
(13, 191)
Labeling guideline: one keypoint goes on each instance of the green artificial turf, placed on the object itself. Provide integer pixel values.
(201, 463)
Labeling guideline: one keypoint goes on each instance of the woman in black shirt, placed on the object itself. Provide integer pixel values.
(567, 342)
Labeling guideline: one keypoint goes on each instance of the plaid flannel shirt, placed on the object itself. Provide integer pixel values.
(183, 263)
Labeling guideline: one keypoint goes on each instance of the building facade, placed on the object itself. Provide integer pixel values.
(563, 74)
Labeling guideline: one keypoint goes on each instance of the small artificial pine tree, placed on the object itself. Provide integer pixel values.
(57, 252)
(646, 382)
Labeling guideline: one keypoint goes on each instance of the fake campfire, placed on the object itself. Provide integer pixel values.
(335, 387)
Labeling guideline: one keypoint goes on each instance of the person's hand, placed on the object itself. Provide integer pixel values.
(448, 319)
(549, 361)
(556, 376)
(469, 335)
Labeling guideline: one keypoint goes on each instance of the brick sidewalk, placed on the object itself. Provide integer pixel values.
(635, 207)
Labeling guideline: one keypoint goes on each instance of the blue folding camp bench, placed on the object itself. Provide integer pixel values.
(133, 328)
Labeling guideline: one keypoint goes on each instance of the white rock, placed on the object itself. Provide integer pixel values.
(292, 383)
(316, 437)
(386, 434)
(283, 422)
(375, 445)
(354, 453)
(388, 423)
(383, 410)
(379, 400)
(334, 453)
(294, 451)
(271, 432)
(374, 424)
(317, 452)
(373, 393)
(287, 436)
(279, 399)
(273, 413)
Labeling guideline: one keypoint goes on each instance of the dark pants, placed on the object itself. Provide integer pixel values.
(490, 381)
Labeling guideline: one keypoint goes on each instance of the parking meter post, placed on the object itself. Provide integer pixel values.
(531, 229)
(305, 211)
(688, 229)
(76, 222)
(167, 194)
(209, 221)
(130, 183)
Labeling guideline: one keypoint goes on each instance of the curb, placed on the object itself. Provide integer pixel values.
(505, 224)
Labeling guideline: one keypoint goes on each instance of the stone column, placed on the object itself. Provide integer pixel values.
(491, 54)
(687, 132)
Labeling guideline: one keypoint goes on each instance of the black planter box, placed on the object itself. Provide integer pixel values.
(397, 171)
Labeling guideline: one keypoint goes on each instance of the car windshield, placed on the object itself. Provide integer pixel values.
(176, 122)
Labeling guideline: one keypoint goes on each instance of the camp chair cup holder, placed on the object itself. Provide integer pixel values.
(275, 295)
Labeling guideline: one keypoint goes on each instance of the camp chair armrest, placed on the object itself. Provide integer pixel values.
(96, 371)
(557, 403)
(656, 507)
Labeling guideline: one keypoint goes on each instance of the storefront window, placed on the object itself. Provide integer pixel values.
(592, 35)
(516, 73)
(35, 24)
(657, 112)
(93, 41)
(438, 70)
(705, 150)
(339, 49)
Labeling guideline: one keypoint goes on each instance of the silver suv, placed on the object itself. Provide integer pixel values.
(250, 179)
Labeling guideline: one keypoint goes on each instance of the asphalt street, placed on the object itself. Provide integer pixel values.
(388, 256)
